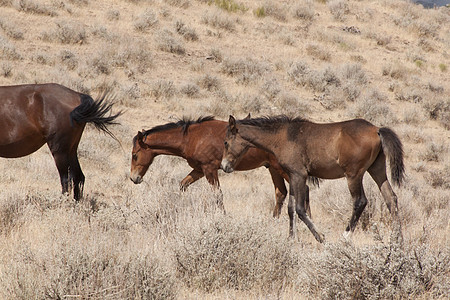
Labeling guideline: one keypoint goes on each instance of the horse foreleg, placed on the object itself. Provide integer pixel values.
(307, 206)
(291, 212)
(300, 190)
(192, 177)
(280, 191)
(212, 176)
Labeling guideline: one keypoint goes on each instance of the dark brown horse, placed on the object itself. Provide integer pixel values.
(200, 142)
(35, 114)
(302, 148)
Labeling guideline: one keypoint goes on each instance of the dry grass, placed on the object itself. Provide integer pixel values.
(386, 61)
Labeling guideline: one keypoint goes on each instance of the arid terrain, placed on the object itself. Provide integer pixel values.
(387, 61)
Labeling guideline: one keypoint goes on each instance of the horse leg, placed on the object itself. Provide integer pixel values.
(62, 164)
(359, 200)
(307, 207)
(280, 191)
(378, 172)
(299, 188)
(212, 176)
(77, 177)
(190, 179)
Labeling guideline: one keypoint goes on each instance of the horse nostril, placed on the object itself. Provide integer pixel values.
(136, 179)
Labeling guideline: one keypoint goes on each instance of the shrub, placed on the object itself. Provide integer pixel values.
(434, 152)
(343, 271)
(11, 30)
(338, 9)
(166, 42)
(371, 108)
(216, 54)
(245, 70)
(209, 82)
(81, 259)
(318, 52)
(66, 33)
(219, 21)
(34, 7)
(113, 15)
(273, 10)
(163, 89)
(230, 5)
(190, 89)
(396, 71)
(305, 11)
(145, 21)
(188, 33)
(439, 178)
(6, 69)
(68, 59)
(228, 253)
(7, 50)
(438, 108)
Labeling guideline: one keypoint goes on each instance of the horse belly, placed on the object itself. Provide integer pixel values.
(327, 170)
(22, 147)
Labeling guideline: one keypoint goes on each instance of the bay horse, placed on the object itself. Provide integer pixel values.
(200, 143)
(328, 151)
(34, 114)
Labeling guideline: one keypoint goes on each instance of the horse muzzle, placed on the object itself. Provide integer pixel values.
(136, 178)
(226, 166)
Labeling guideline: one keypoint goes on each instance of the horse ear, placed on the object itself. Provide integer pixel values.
(139, 135)
(232, 124)
(248, 117)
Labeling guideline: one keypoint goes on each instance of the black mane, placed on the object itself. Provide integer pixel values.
(183, 124)
(272, 123)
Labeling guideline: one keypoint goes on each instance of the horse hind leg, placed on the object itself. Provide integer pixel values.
(62, 164)
(378, 172)
(77, 177)
(359, 201)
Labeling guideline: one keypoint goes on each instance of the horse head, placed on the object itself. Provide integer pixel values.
(141, 158)
(234, 146)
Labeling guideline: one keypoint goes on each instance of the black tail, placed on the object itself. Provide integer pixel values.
(393, 149)
(97, 112)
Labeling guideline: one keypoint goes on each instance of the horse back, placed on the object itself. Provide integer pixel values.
(332, 150)
(205, 142)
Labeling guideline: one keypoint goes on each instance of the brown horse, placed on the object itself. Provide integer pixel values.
(302, 148)
(200, 142)
(35, 114)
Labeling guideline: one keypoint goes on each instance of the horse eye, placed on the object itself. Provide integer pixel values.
(225, 143)
(134, 156)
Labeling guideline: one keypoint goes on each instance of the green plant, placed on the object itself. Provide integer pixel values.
(260, 12)
(230, 5)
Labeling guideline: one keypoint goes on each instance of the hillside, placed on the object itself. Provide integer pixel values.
(386, 61)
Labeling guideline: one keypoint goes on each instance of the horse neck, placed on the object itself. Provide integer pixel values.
(169, 142)
(260, 138)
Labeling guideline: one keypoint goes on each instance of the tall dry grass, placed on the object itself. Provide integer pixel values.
(386, 61)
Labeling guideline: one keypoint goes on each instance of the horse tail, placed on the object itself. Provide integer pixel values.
(393, 149)
(97, 112)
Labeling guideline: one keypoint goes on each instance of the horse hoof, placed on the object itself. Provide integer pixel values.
(347, 235)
